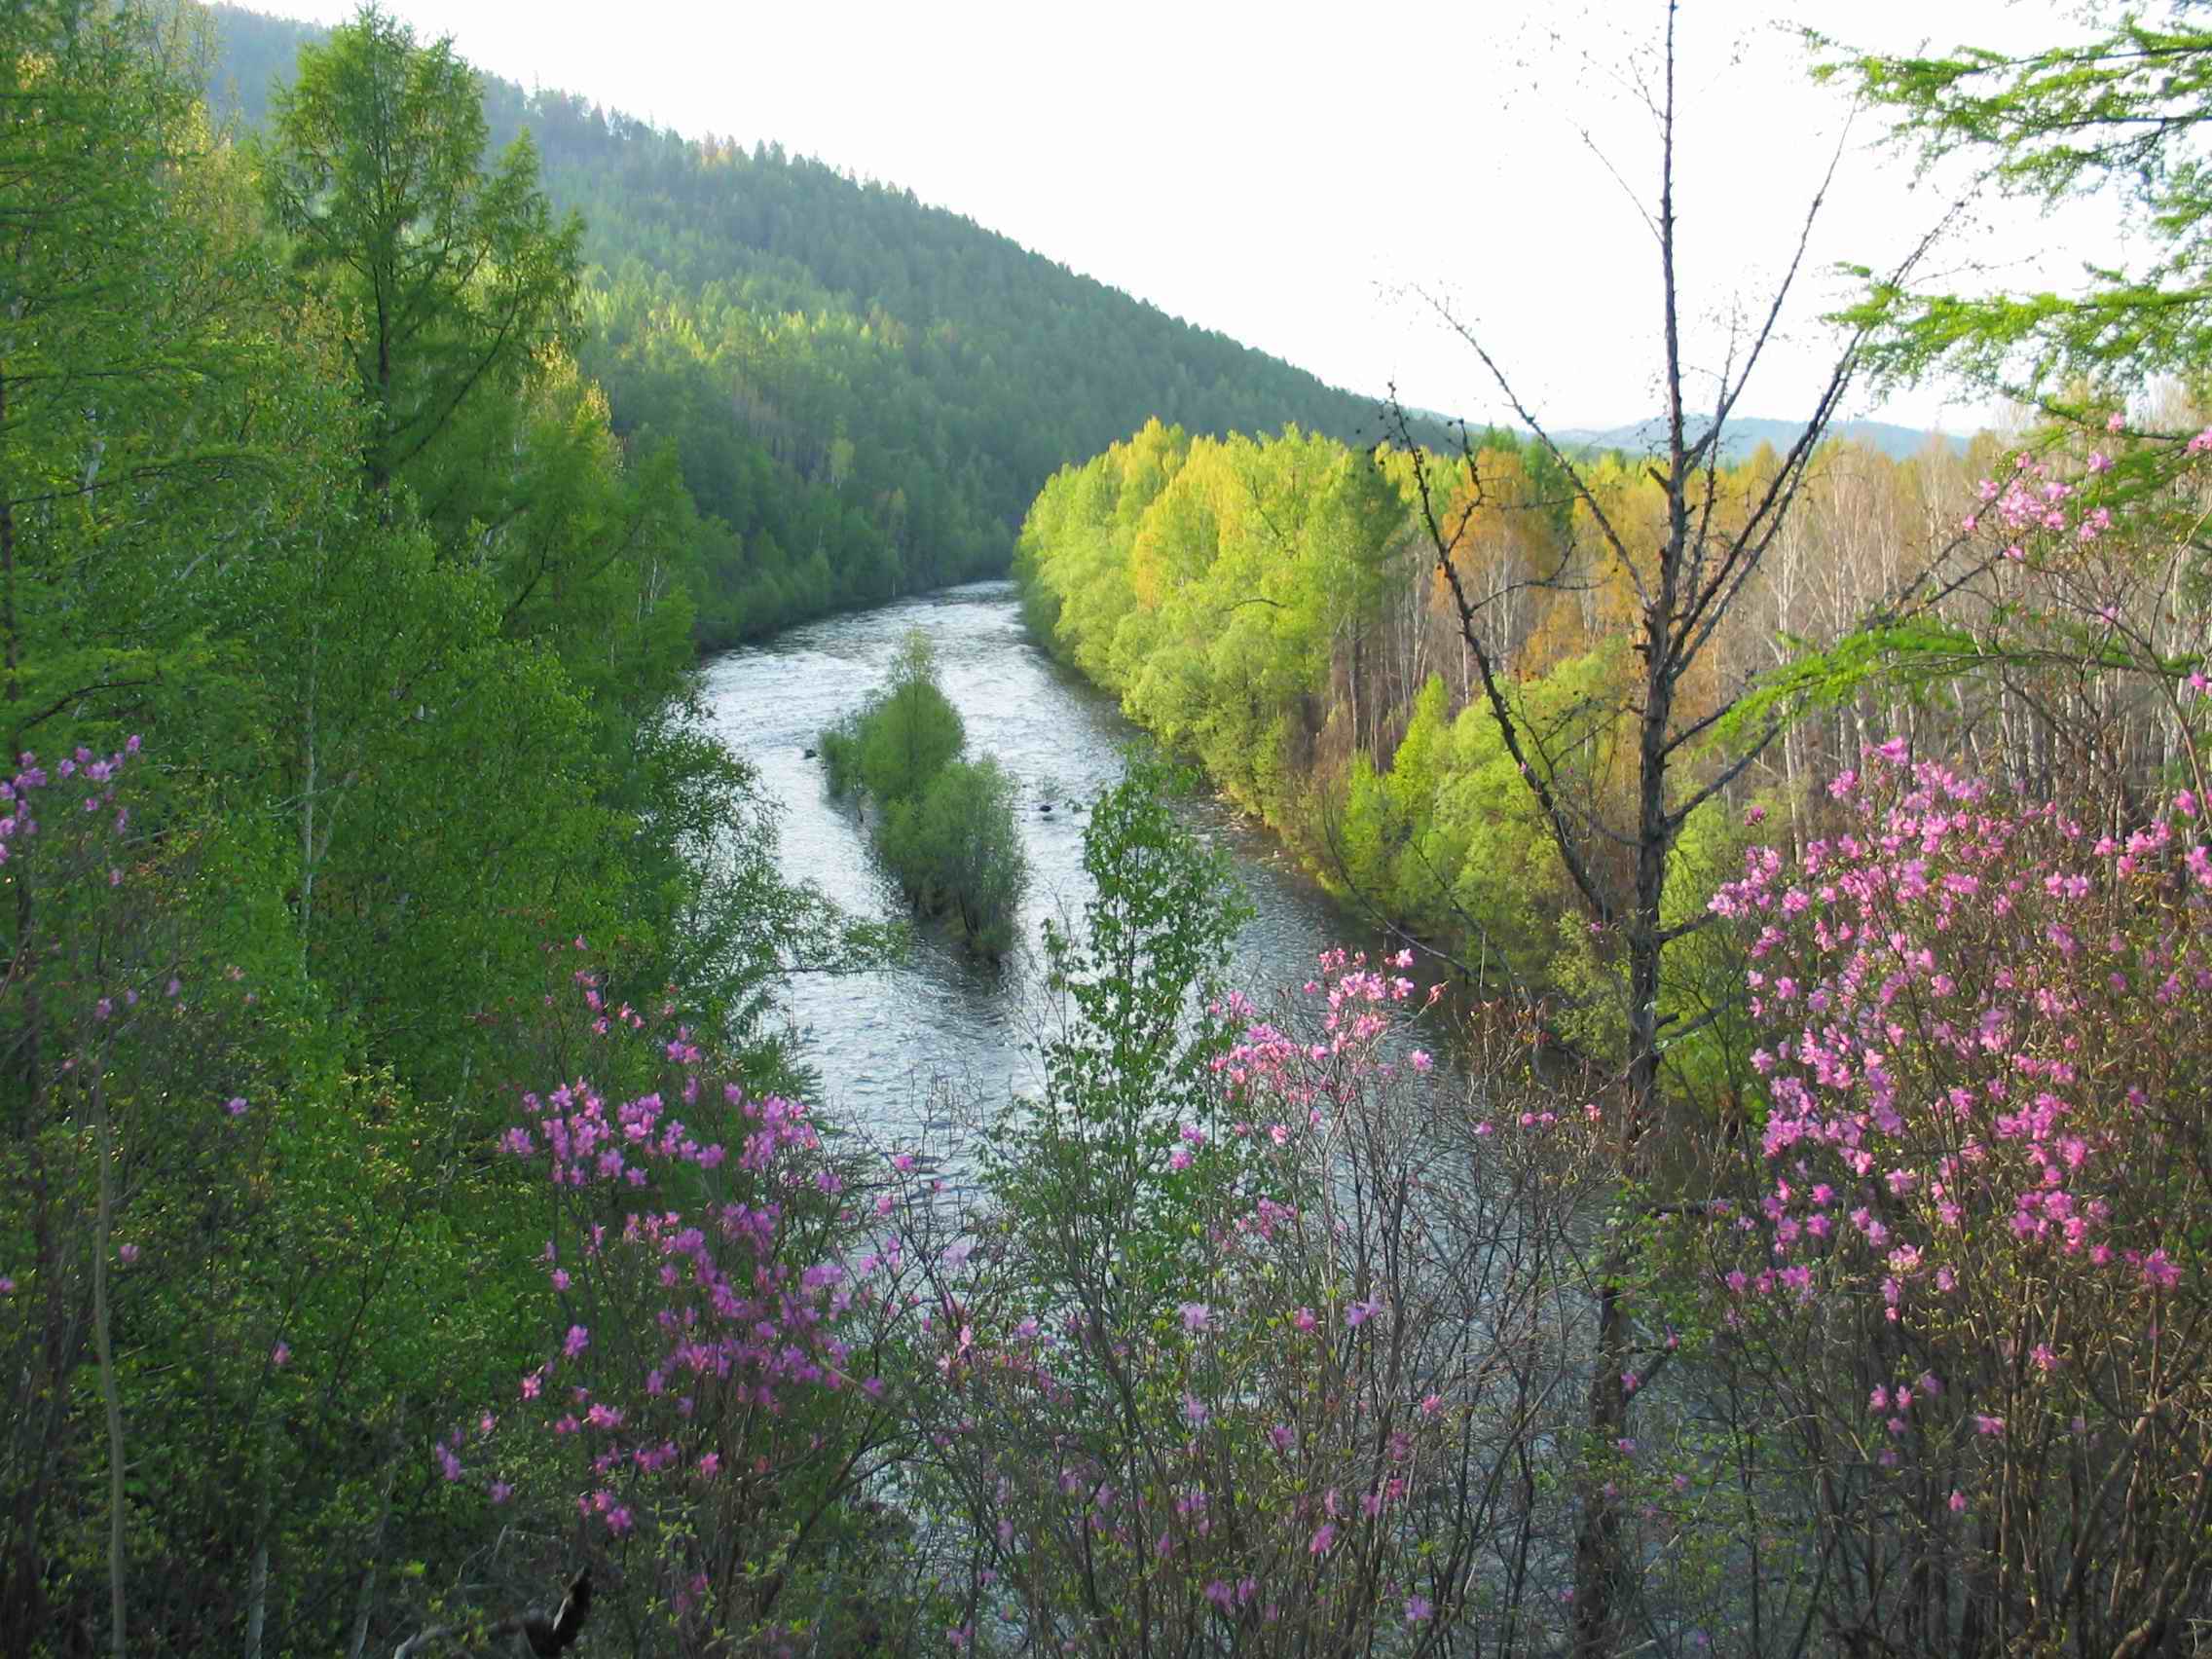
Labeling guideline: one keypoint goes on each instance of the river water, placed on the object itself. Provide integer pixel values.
(887, 1043)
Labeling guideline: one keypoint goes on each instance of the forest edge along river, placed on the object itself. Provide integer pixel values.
(881, 1042)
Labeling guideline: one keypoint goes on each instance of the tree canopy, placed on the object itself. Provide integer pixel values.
(2119, 111)
(447, 281)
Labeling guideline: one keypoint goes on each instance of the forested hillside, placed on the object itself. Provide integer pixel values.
(345, 658)
(863, 391)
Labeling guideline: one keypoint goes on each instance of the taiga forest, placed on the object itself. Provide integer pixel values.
(737, 922)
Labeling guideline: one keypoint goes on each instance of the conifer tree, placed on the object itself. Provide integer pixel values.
(450, 280)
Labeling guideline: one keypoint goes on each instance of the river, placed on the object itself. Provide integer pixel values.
(883, 1043)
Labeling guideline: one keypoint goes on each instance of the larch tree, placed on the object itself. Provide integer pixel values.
(126, 342)
(450, 280)
(2123, 109)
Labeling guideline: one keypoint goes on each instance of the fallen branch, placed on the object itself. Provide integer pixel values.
(546, 1636)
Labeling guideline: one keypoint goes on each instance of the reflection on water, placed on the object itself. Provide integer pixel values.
(881, 1041)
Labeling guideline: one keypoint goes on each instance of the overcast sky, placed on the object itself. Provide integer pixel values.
(1317, 181)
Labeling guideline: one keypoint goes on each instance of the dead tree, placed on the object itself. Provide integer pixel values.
(1685, 580)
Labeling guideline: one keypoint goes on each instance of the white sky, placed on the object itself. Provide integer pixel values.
(1296, 176)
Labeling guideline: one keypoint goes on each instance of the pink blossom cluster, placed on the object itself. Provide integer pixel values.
(2037, 502)
(1875, 968)
(1979, 1024)
(1359, 1006)
(733, 1320)
(81, 769)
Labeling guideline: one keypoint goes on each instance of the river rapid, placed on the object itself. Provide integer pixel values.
(892, 1047)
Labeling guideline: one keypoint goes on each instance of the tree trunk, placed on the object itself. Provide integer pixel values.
(257, 1577)
(365, 1601)
(103, 1346)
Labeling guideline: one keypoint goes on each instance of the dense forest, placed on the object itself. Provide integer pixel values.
(413, 1235)
(348, 657)
(862, 392)
(1274, 608)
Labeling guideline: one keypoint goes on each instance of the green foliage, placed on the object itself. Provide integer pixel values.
(706, 907)
(133, 429)
(1366, 835)
(1491, 834)
(955, 844)
(1908, 656)
(1415, 768)
(447, 281)
(1128, 1062)
(897, 741)
(911, 730)
(1206, 582)
(945, 826)
(591, 556)
(2119, 110)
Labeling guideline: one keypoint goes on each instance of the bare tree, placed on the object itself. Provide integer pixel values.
(1686, 573)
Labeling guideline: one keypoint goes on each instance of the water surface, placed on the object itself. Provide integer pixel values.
(883, 1042)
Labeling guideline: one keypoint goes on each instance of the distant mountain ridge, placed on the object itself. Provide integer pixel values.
(1745, 433)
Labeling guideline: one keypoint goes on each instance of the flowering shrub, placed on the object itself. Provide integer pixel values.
(135, 1095)
(712, 1405)
(1969, 1264)
(2069, 630)
(1328, 1438)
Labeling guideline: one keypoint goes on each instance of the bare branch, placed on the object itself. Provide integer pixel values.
(1509, 724)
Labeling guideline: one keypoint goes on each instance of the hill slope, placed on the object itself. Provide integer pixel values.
(864, 392)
